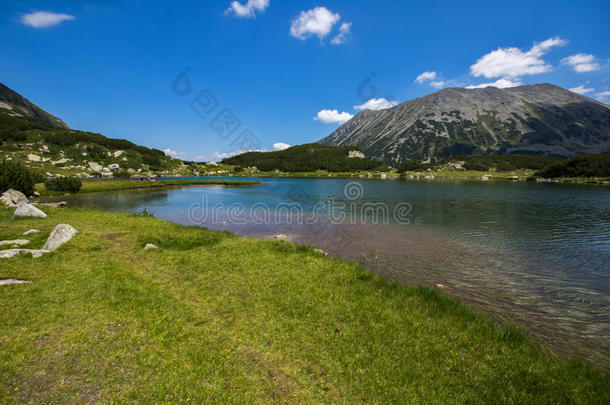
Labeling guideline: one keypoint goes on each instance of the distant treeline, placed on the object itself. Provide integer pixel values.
(593, 165)
(504, 162)
(304, 158)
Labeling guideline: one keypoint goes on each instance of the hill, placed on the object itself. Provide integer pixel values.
(47, 144)
(305, 158)
(538, 119)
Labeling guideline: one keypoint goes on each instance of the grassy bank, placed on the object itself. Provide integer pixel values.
(214, 317)
(113, 185)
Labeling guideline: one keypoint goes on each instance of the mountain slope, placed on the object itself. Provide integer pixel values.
(46, 144)
(541, 119)
(12, 103)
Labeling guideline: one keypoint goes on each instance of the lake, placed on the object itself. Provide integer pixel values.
(534, 254)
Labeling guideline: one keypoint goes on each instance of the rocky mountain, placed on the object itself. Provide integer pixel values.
(14, 104)
(541, 119)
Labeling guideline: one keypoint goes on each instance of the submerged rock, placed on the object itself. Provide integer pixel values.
(12, 198)
(60, 235)
(27, 210)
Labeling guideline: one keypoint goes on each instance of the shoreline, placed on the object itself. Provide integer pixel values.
(212, 294)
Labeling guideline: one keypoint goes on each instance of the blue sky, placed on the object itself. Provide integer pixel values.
(287, 72)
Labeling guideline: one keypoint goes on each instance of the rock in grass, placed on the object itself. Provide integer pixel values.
(280, 236)
(9, 281)
(31, 231)
(60, 235)
(7, 254)
(15, 242)
(27, 210)
(149, 246)
(12, 198)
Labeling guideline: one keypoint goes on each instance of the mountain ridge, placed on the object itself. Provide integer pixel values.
(14, 104)
(540, 119)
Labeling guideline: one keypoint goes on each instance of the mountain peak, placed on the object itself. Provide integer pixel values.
(540, 118)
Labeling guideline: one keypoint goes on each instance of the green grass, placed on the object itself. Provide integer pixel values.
(211, 317)
(112, 185)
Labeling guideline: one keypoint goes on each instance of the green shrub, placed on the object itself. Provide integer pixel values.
(17, 176)
(122, 174)
(70, 184)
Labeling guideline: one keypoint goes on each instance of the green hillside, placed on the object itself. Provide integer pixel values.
(305, 158)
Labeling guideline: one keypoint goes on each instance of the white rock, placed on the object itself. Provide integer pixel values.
(12, 198)
(9, 281)
(28, 210)
(5, 254)
(14, 242)
(117, 153)
(60, 235)
(384, 176)
(149, 246)
(355, 154)
(96, 167)
(113, 166)
(33, 158)
(280, 236)
(31, 231)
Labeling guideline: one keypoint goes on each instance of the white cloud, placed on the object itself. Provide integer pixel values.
(376, 104)
(513, 62)
(280, 146)
(344, 31)
(438, 84)
(247, 10)
(581, 62)
(44, 19)
(173, 153)
(581, 89)
(333, 117)
(425, 76)
(500, 83)
(318, 21)
(603, 95)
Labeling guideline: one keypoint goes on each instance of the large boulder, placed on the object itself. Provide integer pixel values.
(60, 235)
(96, 167)
(28, 210)
(12, 198)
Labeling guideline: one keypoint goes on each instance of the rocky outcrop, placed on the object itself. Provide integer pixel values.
(12, 198)
(60, 235)
(28, 210)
